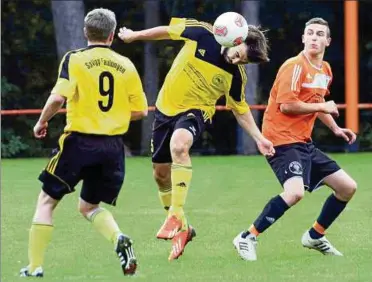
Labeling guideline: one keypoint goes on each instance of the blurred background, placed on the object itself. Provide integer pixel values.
(36, 33)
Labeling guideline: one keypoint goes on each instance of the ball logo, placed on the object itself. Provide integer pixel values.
(238, 41)
(295, 167)
(220, 30)
(239, 21)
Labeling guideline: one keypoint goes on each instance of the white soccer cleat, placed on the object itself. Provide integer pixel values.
(322, 245)
(25, 272)
(246, 247)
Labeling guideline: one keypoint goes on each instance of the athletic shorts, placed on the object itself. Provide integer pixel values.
(303, 160)
(99, 161)
(164, 126)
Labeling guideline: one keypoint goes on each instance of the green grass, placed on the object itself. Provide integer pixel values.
(226, 195)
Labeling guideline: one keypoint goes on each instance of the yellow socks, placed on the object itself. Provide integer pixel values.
(104, 223)
(165, 196)
(39, 238)
(181, 178)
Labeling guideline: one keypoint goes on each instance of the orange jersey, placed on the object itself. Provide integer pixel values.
(297, 80)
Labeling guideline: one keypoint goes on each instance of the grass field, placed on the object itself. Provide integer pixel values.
(226, 195)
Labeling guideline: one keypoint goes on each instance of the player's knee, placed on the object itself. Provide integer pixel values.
(349, 190)
(179, 149)
(46, 202)
(85, 210)
(161, 176)
(293, 196)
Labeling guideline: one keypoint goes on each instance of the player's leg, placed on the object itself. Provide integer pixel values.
(162, 129)
(57, 182)
(102, 182)
(288, 164)
(162, 176)
(326, 171)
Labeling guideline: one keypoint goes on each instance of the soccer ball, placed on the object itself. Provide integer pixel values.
(230, 29)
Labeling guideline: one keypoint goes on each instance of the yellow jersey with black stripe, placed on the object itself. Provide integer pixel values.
(102, 88)
(200, 74)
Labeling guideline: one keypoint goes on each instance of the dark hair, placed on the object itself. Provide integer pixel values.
(321, 22)
(258, 45)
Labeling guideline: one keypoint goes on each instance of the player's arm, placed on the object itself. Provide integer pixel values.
(236, 101)
(178, 29)
(65, 88)
(155, 33)
(345, 133)
(290, 79)
(137, 97)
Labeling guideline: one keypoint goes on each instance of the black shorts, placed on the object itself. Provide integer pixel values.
(304, 160)
(97, 160)
(164, 126)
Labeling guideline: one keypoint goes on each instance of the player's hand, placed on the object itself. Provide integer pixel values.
(126, 35)
(346, 134)
(40, 129)
(330, 107)
(266, 147)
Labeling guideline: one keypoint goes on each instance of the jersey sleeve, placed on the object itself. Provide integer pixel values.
(137, 98)
(235, 99)
(187, 29)
(289, 82)
(66, 82)
(330, 74)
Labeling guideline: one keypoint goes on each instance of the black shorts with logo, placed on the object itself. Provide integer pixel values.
(304, 160)
(98, 160)
(164, 126)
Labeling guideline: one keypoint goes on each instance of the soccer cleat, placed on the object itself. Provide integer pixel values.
(38, 272)
(169, 228)
(322, 245)
(126, 255)
(180, 241)
(246, 247)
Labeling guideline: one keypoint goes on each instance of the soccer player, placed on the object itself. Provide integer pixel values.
(104, 93)
(296, 100)
(201, 73)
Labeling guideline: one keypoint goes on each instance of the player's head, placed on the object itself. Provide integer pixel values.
(317, 36)
(100, 25)
(254, 50)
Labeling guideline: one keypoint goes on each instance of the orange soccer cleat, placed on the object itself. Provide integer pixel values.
(169, 228)
(180, 241)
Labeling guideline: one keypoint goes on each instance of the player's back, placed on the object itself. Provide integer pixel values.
(297, 80)
(199, 75)
(103, 89)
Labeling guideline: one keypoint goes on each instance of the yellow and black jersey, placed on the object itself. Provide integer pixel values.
(102, 88)
(200, 75)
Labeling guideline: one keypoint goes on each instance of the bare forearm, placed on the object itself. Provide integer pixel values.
(247, 122)
(52, 106)
(156, 33)
(328, 120)
(301, 108)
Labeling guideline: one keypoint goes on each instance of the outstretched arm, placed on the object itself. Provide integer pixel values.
(155, 33)
(345, 133)
(247, 122)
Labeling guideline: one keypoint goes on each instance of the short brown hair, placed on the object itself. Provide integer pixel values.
(321, 22)
(99, 24)
(258, 45)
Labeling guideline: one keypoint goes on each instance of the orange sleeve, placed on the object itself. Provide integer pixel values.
(289, 82)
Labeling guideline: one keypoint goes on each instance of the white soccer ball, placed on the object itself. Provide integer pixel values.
(230, 29)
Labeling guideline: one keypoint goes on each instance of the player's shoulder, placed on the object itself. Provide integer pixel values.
(327, 67)
(204, 26)
(293, 61)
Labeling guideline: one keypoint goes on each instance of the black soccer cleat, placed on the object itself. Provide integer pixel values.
(126, 255)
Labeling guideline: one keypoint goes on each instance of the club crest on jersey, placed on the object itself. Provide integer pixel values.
(239, 21)
(220, 30)
(219, 82)
(295, 167)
